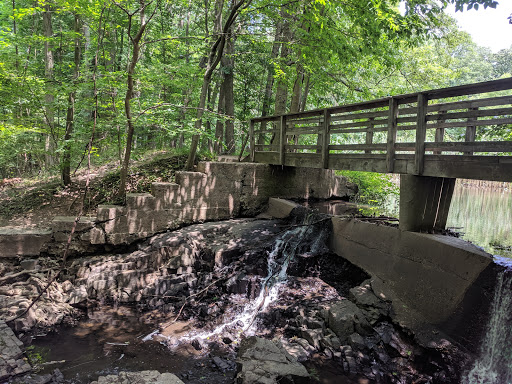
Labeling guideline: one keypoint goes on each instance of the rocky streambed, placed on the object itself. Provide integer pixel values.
(246, 301)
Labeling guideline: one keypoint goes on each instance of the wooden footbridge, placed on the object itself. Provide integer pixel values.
(456, 132)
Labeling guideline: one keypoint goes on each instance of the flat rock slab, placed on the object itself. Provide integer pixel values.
(22, 241)
(11, 361)
(144, 377)
(262, 361)
(280, 208)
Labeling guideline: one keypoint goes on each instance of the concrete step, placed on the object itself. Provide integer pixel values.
(65, 223)
(142, 201)
(110, 212)
(168, 193)
(22, 241)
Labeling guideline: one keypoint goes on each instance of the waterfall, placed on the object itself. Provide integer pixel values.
(494, 365)
(297, 239)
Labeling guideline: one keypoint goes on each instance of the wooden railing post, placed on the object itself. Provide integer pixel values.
(369, 134)
(421, 132)
(471, 130)
(326, 138)
(282, 140)
(252, 140)
(440, 131)
(392, 127)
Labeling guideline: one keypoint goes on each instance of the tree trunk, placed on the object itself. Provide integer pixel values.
(49, 99)
(66, 157)
(282, 83)
(267, 97)
(14, 29)
(129, 94)
(219, 127)
(297, 89)
(216, 52)
(229, 99)
(305, 94)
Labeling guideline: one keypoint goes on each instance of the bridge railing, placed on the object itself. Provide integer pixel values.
(394, 134)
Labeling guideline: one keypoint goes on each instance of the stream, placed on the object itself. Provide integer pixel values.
(275, 280)
(113, 338)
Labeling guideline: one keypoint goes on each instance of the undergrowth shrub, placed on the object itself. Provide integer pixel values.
(374, 188)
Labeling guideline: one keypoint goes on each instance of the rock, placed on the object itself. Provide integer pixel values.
(78, 295)
(267, 362)
(295, 349)
(313, 336)
(197, 344)
(330, 341)
(28, 264)
(144, 377)
(373, 307)
(356, 341)
(222, 364)
(352, 366)
(11, 362)
(345, 318)
(313, 323)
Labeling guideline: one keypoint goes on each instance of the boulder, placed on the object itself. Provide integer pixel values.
(373, 307)
(144, 377)
(345, 318)
(267, 362)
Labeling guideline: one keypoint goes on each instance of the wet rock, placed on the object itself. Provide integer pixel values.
(55, 378)
(373, 307)
(144, 377)
(345, 318)
(295, 349)
(267, 362)
(221, 364)
(197, 344)
(356, 341)
(11, 361)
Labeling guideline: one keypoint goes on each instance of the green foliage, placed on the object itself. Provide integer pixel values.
(373, 187)
(347, 52)
(37, 356)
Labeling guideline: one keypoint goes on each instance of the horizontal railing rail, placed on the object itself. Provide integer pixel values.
(425, 133)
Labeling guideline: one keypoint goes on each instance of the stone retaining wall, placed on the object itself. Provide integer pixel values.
(217, 191)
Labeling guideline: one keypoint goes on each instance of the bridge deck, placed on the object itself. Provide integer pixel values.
(451, 132)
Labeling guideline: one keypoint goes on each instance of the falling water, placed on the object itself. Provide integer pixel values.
(494, 366)
(285, 248)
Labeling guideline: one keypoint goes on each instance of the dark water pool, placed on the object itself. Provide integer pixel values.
(109, 340)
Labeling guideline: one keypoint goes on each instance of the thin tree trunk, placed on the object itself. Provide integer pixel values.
(267, 97)
(219, 127)
(66, 157)
(14, 29)
(305, 94)
(136, 40)
(216, 52)
(282, 84)
(49, 99)
(229, 98)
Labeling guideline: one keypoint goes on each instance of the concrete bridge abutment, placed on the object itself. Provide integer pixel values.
(424, 202)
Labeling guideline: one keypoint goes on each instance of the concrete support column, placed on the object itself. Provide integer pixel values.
(424, 202)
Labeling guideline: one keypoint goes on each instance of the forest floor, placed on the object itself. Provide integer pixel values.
(34, 203)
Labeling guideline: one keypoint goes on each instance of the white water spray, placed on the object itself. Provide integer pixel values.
(494, 366)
